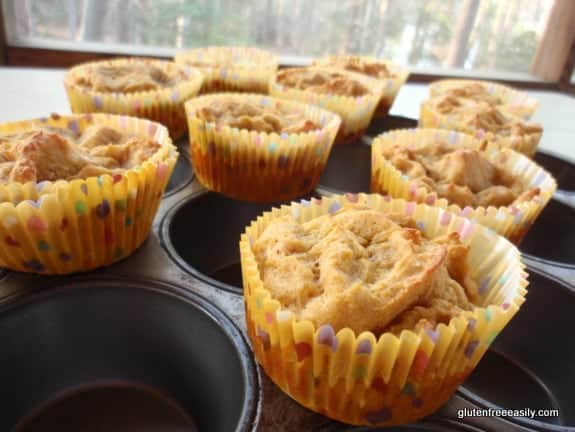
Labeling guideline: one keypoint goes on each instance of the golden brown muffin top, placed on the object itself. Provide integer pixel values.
(482, 115)
(127, 78)
(373, 68)
(466, 177)
(226, 56)
(321, 81)
(52, 154)
(255, 117)
(473, 91)
(364, 269)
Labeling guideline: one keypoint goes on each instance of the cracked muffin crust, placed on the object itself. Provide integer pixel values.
(255, 117)
(50, 154)
(128, 78)
(363, 65)
(321, 81)
(463, 176)
(482, 115)
(366, 270)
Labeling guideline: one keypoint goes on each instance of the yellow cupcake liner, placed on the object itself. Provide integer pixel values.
(249, 70)
(257, 166)
(391, 86)
(387, 380)
(515, 102)
(73, 226)
(355, 112)
(164, 106)
(431, 118)
(512, 221)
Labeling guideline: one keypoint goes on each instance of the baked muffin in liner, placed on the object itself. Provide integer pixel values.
(363, 379)
(355, 112)
(525, 143)
(165, 105)
(514, 101)
(232, 69)
(73, 226)
(512, 221)
(259, 166)
(391, 84)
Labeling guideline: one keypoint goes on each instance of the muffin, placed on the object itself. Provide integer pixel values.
(79, 192)
(372, 310)
(151, 89)
(499, 188)
(513, 101)
(483, 120)
(391, 75)
(352, 96)
(232, 69)
(258, 148)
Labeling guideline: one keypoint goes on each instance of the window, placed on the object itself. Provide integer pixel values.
(478, 35)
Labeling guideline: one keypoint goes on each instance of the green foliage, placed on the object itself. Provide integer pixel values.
(515, 53)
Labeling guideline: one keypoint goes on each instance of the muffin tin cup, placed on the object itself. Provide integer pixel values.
(562, 169)
(390, 380)
(71, 226)
(257, 166)
(165, 106)
(530, 365)
(526, 144)
(120, 406)
(391, 86)
(355, 112)
(77, 334)
(512, 221)
(182, 174)
(250, 69)
(516, 102)
(348, 168)
(212, 258)
(551, 240)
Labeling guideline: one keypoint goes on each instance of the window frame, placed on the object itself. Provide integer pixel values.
(551, 76)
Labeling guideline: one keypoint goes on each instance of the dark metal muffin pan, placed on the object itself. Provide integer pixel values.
(193, 254)
(71, 334)
(562, 169)
(530, 364)
(551, 239)
(348, 168)
(113, 407)
(202, 234)
(429, 425)
(183, 173)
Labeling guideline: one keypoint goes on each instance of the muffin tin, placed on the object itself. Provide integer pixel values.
(171, 316)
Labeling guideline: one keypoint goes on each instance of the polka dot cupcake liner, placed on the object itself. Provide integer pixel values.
(355, 112)
(245, 69)
(512, 222)
(256, 166)
(515, 102)
(390, 88)
(74, 226)
(365, 379)
(431, 118)
(165, 106)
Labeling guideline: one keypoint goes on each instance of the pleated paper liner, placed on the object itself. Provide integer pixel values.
(391, 85)
(516, 102)
(431, 118)
(72, 226)
(164, 106)
(512, 221)
(387, 380)
(355, 112)
(257, 166)
(232, 69)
